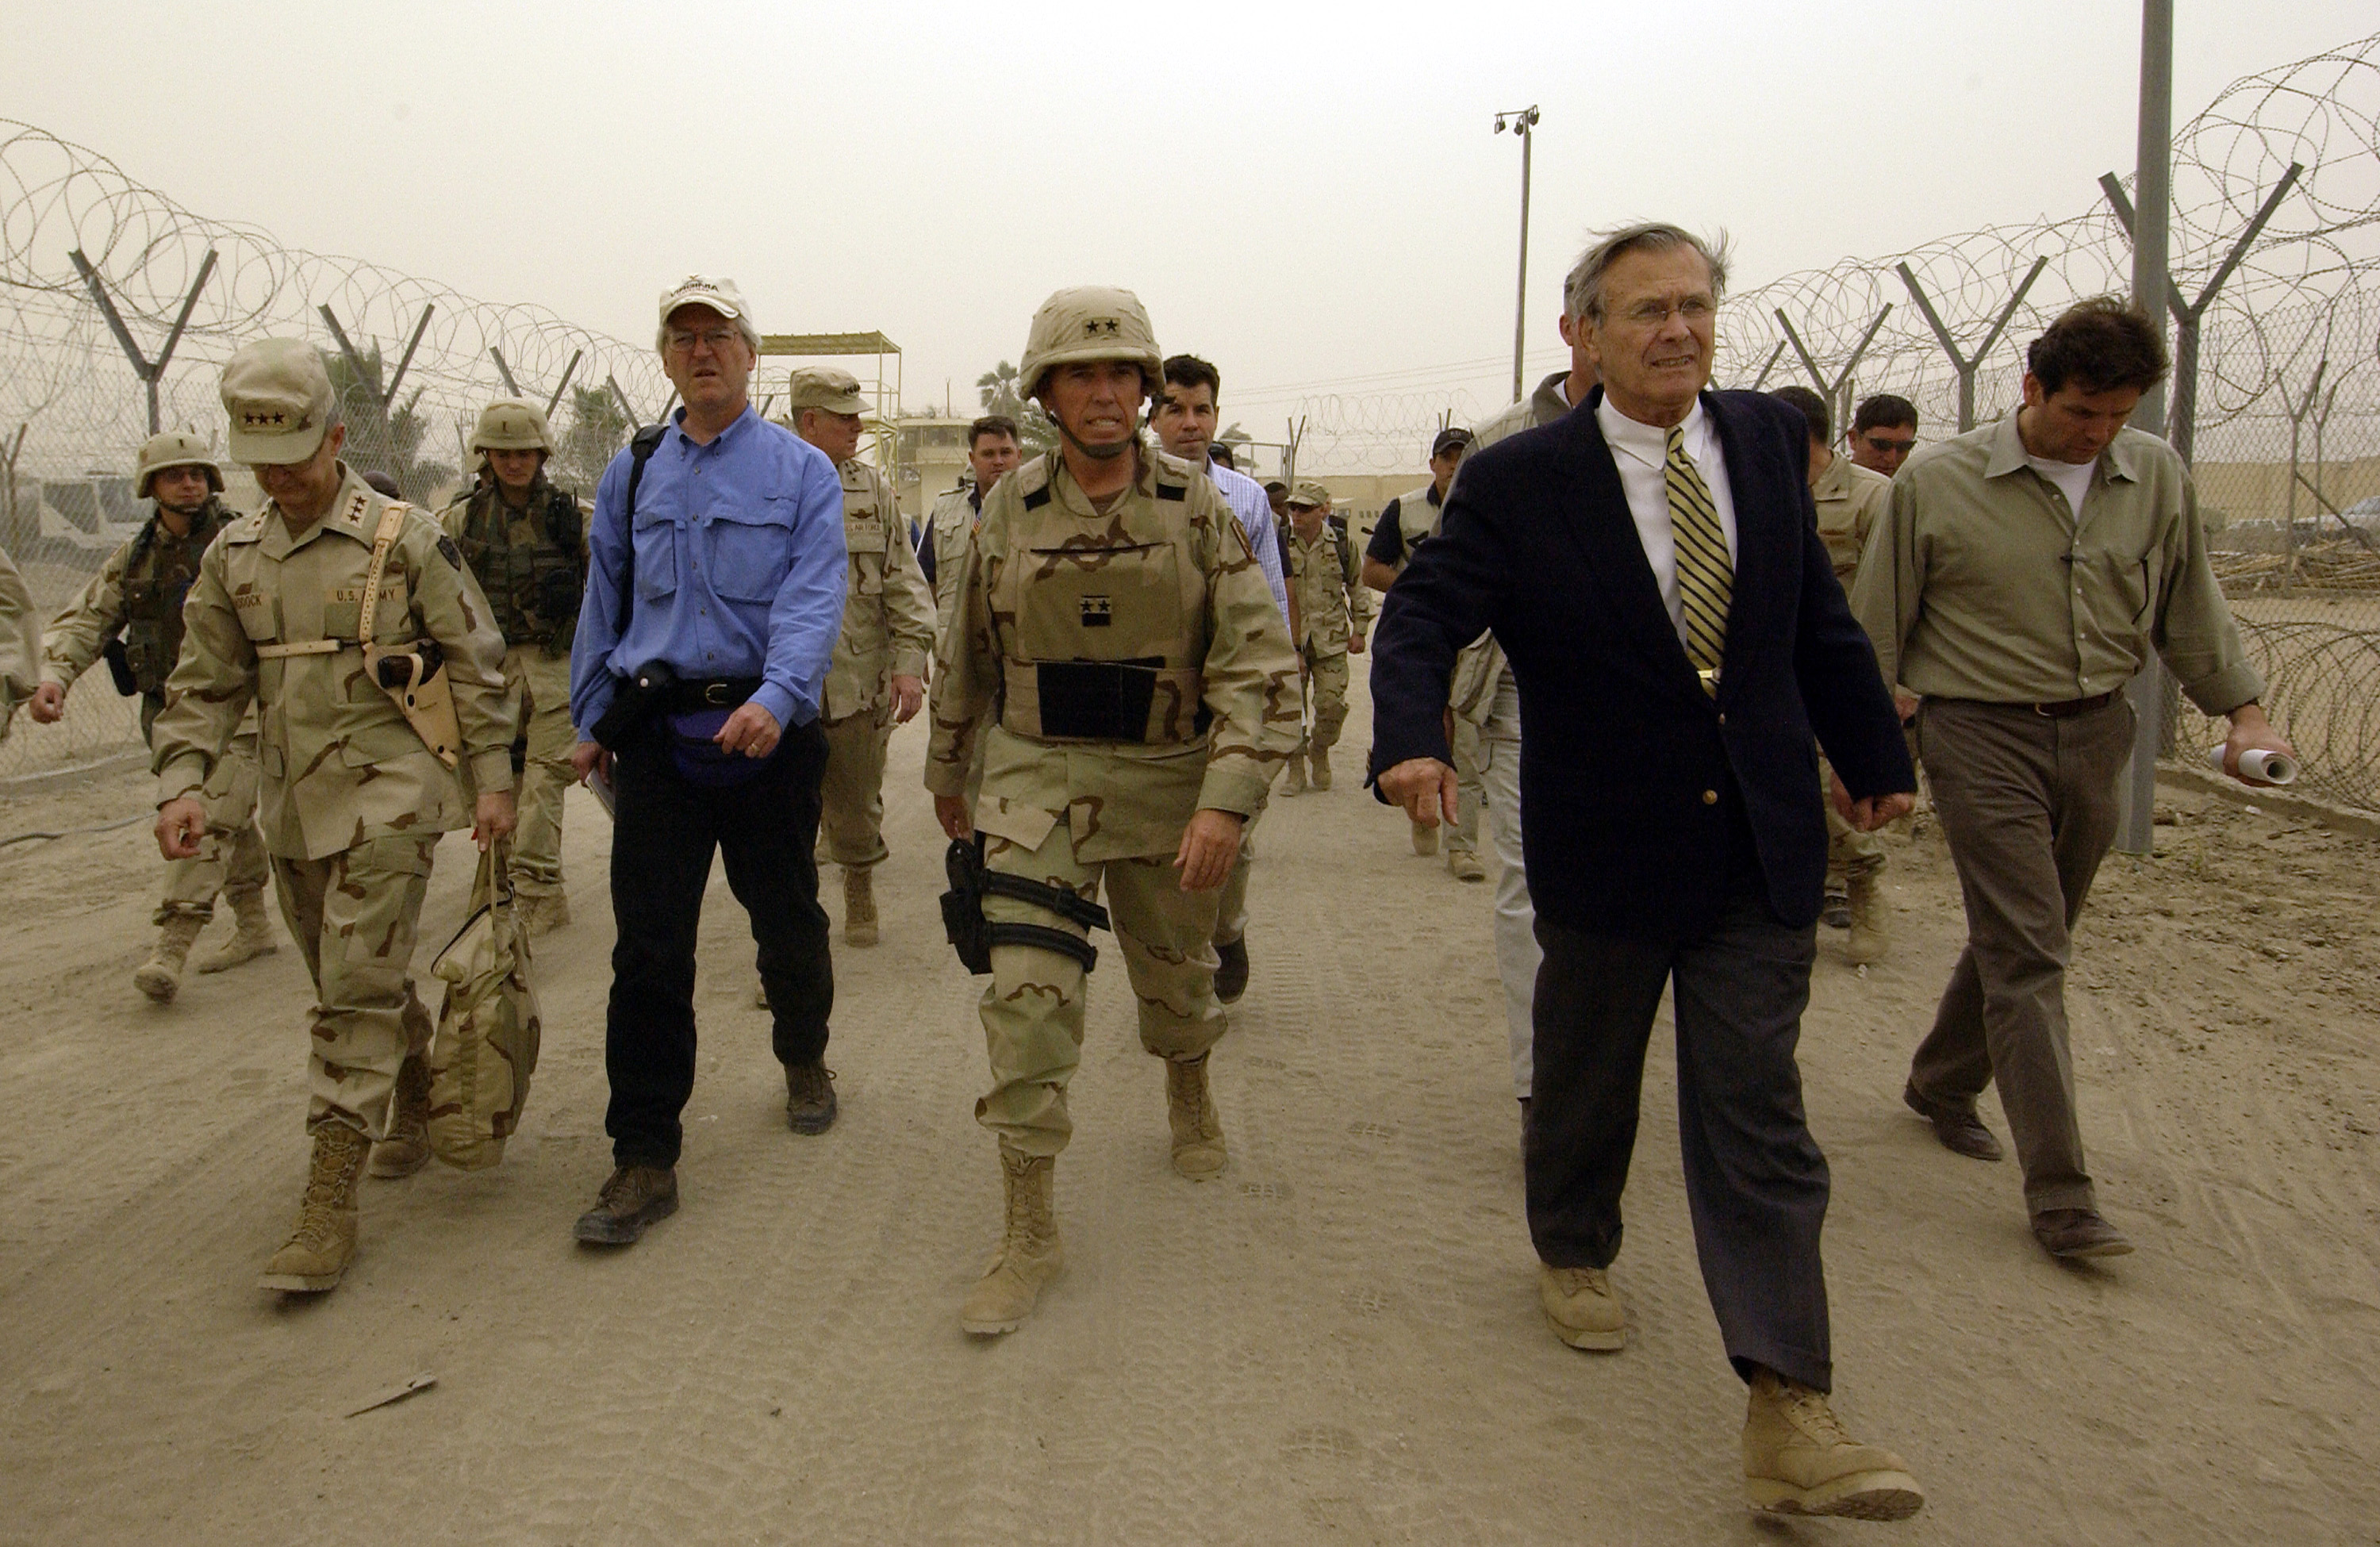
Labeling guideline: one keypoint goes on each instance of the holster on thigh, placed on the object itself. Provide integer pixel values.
(972, 936)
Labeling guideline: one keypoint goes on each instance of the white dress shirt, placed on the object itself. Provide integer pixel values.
(1641, 452)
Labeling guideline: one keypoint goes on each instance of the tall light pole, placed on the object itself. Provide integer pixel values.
(1522, 122)
(2152, 227)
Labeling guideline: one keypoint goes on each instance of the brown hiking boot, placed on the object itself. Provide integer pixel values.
(252, 936)
(543, 913)
(2079, 1232)
(161, 975)
(1293, 782)
(635, 1197)
(1320, 760)
(1029, 1253)
(858, 908)
(1424, 839)
(1798, 1461)
(407, 1147)
(318, 1252)
(1868, 914)
(809, 1098)
(1199, 1150)
(1581, 1307)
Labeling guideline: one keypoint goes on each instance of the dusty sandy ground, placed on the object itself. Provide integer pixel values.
(1338, 1340)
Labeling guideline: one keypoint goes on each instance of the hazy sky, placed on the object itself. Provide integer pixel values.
(1306, 199)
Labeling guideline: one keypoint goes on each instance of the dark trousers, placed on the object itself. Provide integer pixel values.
(2028, 805)
(1756, 1180)
(663, 833)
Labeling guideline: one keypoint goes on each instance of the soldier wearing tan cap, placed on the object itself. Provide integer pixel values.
(131, 613)
(309, 610)
(877, 679)
(1334, 608)
(526, 542)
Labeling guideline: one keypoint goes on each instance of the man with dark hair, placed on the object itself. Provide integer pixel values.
(993, 447)
(1183, 416)
(1849, 500)
(1649, 565)
(1883, 430)
(2024, 572)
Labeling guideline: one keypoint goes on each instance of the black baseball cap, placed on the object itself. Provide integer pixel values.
(1452, 438)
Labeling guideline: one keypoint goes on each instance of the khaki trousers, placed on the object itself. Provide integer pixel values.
(354, 916)
(851, 795)
(231, 852)
(544, 687)
(1033, 1010)
(1326, 698)
(2028, 805)
(1850, 852)
(1463, 836)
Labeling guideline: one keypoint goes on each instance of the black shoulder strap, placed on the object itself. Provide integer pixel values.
(641, 446)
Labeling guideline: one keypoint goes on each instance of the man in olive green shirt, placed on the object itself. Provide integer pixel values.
(2025, 571)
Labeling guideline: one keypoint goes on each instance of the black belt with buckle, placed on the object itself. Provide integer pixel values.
(2071, 707)
(688, 696)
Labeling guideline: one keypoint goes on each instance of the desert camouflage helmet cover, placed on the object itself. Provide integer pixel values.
(1090, 321)
(511, 424)
(175, 449)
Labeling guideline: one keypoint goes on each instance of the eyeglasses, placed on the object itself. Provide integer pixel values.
(1885, 444)
(1694, 309)
(717, 339)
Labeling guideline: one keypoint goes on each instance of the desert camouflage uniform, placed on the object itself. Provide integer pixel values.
(352, 802)
(888, 631)
(18, 644)
(1334, 607)
(1850, 499)
(955, 515)
(1167, 572)
(531, 565)
(138, 593)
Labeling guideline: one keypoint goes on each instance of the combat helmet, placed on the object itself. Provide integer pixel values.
(175, 449)
(511, 424)
(1090, 321)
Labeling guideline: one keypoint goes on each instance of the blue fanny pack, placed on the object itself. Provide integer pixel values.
(700, 761)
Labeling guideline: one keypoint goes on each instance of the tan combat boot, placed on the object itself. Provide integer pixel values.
(407, 1147)
(858, 908)
(1867, 939)
(324, 1241)
(251, 937)
(161, 975)
(1464, 865)
(1293, 782)
(1029, 1253)
(1320, 759)
(1798, 1461)
(1581, 1307)
(1199, 1150)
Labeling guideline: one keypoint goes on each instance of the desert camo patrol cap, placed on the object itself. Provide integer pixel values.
(279, 399)
(1309, 493)
(822, 386)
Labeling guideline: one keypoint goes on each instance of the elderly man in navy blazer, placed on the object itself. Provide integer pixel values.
(1651, 564)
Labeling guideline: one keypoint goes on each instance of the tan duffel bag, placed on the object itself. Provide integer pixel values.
(486, 1046)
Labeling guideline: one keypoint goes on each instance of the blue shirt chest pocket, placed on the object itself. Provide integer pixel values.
(750, 548)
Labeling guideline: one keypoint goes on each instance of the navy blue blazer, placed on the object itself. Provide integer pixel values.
(1640, 792)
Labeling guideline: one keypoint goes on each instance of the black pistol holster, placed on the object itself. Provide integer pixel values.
(634, 701)
(119, 667)
(972, 936)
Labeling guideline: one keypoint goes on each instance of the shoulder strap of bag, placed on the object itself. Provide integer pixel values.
(641, 447)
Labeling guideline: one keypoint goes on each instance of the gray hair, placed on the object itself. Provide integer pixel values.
(742, 322)
(1583, 288)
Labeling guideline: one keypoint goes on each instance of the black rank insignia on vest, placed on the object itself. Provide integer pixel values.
(1098, 612)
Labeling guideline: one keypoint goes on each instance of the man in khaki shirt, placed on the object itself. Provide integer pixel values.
(1334, 609)
(876, 678)
(1849, 500)
(2025, 571)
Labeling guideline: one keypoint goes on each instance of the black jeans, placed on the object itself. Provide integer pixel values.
(663, 833)
(1756, 1180)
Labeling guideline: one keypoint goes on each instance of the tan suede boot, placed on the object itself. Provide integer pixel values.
(1029, 1253)
(318, 1252)
(407, 1147)
(1799, 1460)
(858, 908)
(1199, 1150)
(161, 975)
(1293, 782)
(1868, 913)
(1320, 759)
(251, 937)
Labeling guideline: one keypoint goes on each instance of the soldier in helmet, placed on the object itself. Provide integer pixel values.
(135, 599)
(322, 610)
(877, 679)
(1116, 645)
(526, 542)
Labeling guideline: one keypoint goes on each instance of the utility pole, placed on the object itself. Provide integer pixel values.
(1522, 122)
(2151, 232)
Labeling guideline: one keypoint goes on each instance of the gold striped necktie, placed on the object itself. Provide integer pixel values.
(1705, 578)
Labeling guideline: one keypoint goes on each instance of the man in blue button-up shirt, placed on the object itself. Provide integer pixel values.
(728, 572)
